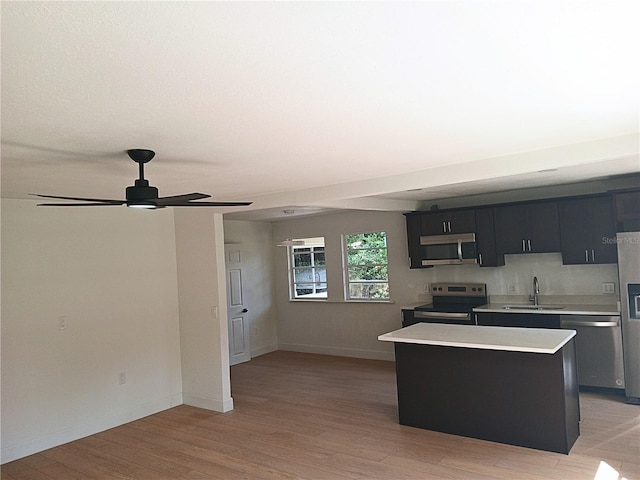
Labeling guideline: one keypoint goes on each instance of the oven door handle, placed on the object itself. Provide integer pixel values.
(584, 323)
(421, 314)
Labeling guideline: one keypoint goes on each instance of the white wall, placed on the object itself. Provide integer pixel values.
(112, 272)
(201, 288)
(519, 270)
(335, 327)
(257, 263)
(351, 329)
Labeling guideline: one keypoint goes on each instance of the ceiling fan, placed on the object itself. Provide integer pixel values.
(141, 194)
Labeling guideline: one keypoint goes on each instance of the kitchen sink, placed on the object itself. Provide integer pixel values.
(532, 307)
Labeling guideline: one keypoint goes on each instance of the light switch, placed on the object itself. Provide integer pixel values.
(608, 287)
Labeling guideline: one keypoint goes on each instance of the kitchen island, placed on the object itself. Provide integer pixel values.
(509, 385)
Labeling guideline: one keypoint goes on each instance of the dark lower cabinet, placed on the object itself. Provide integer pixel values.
(528, 320)
(525, 399)
(408, 318)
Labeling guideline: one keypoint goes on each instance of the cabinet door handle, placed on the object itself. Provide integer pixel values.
(480, 258)
(529, 244)
(444, 227)
(593, 256)
(586, 256)
(449, 226)
(523, 248)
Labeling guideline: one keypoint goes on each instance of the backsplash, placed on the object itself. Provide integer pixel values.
(516, 276)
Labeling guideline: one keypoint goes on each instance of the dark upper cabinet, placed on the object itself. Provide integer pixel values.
(486, 239)
(414, 230)
(582, 228)
(628, 211)
(454, 221)
(587, 230)
(527, 228)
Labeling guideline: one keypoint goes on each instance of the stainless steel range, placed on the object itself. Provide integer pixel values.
(452, 303)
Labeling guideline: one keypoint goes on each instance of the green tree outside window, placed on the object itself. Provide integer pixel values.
(367, 266)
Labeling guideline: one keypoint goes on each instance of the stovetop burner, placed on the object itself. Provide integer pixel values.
(450, 307)
(455, 297)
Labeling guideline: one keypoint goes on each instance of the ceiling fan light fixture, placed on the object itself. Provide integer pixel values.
(142, 205)
(289, 242)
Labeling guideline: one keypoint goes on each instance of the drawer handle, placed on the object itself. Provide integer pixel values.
(420, 314)
(578, 323)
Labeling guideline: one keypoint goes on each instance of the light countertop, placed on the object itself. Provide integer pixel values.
(532, 340)
(562, 309)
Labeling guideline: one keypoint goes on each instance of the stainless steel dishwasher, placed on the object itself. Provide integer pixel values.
(598, 349)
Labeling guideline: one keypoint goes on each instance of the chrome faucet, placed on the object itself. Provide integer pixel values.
(536, 291)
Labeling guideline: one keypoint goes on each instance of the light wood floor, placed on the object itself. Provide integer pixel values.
(320, 417)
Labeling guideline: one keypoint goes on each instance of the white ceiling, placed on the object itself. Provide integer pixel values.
(315, 106)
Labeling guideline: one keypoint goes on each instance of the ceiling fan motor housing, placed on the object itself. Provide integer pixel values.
(141, 192)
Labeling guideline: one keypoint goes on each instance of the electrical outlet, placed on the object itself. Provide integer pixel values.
(255, 331)
(608, 287)
(511, 288)
(63, 322)
(214, 312)
(426, 288)
(122, 378)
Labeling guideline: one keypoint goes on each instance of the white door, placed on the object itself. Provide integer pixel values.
(237, 311)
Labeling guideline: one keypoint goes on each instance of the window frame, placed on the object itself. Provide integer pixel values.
(309, 243)
(346, 269)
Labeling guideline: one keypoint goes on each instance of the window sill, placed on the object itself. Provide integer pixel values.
(368, 301)
(320, 300)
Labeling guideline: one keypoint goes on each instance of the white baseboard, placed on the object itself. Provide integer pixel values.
(208, 403)
(338, 351)
(256, 352)
(84, 429)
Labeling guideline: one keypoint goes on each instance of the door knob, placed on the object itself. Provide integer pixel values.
(244, 310)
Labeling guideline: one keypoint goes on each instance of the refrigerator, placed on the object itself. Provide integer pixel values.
(629, 275)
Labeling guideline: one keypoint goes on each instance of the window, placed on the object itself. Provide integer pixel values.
(307, 269)
(366, 263)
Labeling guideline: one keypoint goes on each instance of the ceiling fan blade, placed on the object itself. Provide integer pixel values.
(181, 198)
(210, 204)
(105, 201)
(94, 204)
(141, 194)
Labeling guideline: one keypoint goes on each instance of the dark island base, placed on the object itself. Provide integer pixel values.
(524, 399)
